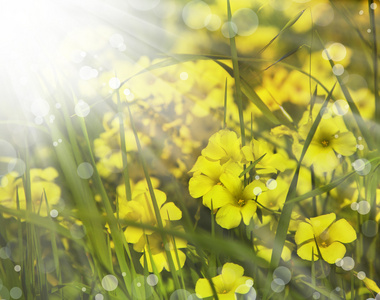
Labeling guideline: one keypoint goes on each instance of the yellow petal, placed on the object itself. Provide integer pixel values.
(333, 252)
(345, 144)
(203, 288)
(304, 233)
(133, 234)
(325, 160)
(231, 272)
(200, 185)
(228, 216)
(232, 182)
(342, 231)
(248, 211)
(306, 251)
(171, 212)
(321, 223)
(217, 197)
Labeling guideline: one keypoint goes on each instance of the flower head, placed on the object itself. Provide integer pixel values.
(228, 283)
(326, 233)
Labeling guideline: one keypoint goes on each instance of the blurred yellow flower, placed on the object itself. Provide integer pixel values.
(223, 146)
(227, 284)
(331, 137)
(42, 180)
(270, 163)
(239, 201)
(328, 234)
(141, 210)
(154, 244)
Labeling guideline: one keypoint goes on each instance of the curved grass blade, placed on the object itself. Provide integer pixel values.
(252, 166)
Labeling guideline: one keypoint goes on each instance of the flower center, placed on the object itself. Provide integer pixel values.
(325, 143)
(241, 202)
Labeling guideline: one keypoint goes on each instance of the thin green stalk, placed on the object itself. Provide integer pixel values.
(235, 65)
(375, 69)
(123, 150)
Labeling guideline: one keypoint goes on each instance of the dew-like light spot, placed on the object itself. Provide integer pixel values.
(316, 295)
(184, 76)
(58, 105)
(257, 191)
(114, 83)
(109, 283)
(152, 279)
(40, 108)
(123, 274)
(226, 29)
(54, 213)
(17, 268)
(369, 30)
(15, 293)
(369, 228)
(348, 263)
(249, 282)
(82, 109)
(213, 22)
(84, 289)
(277, 285)
(271, 184)
(354, 206)
(55, 144)
(340, 107)
(338, 69)
(362, 166)
(85, 170)
(99, 297)
(361, 275)
(335, 51)
(130, 97)
(180, 294)
(257, 177)
(361, 12)
(246, 21)
(373, 5)
(283, 273)
(195, 14)
(364, 207)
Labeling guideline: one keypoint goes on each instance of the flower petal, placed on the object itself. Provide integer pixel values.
(203, 288)
(321, 223)
(248, 211)
(228, 216)
(333, 252)
(200, 185)
(306, 251)
(304, 233)
(217, 197)
(345, 144)
(170, 212)
(342, 231)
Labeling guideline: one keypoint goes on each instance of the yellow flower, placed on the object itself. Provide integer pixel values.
(41, 180)
(328, 234)
(153, 243)
(240, 203)
(223, 146)
(331, 137)
(140, 209)
(228, 283)
(207, 183)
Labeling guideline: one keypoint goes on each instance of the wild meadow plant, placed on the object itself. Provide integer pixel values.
(208, 150)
